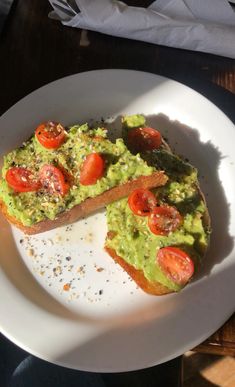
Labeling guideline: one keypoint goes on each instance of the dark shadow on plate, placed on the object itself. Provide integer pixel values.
(185, 141)
(221, 97)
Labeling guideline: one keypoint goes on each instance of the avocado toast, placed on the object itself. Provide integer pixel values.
(62, 174)
(159, 236)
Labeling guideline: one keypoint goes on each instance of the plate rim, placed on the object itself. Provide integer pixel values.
(63, 79)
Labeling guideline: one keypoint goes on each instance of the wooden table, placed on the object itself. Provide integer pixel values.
(35, 50)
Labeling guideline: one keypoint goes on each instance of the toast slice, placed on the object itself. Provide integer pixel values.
(43, 210)
(134, 247)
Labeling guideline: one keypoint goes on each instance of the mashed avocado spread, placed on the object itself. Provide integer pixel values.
(32, 207)
(131, 238)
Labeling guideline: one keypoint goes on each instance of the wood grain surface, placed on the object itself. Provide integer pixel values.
(35, 50)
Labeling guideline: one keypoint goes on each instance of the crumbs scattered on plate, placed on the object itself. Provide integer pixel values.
(75, 273)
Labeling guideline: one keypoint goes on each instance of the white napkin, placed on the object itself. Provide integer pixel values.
(200, 25)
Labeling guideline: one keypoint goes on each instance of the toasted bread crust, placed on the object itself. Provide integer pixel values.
(154, 288)
(90, 205)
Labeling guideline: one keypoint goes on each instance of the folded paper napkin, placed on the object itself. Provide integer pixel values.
(201, 25)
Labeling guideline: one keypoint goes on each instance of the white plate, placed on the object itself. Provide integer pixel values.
(104, 323)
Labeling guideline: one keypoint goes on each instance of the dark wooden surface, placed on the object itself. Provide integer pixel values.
(35, 50)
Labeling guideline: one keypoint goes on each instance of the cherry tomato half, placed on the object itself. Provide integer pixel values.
(22, 180)
(92, 169)
(53, 180)
(141, 201)
(164, 219)
(50, 135)
(143, 139)
(176, 264)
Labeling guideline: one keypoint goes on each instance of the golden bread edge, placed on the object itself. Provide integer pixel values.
(89, 205)
(154, 288)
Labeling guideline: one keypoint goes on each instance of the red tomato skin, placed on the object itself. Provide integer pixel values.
(21, 180)
(141, 201)
(53, 180)
(92, 169)
(164, 219)
(144, 139)
(176, 264)
(50, 135)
